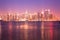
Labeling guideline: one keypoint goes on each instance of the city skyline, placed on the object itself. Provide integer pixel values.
(44, 15)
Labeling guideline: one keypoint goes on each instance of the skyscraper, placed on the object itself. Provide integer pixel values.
(46, 14)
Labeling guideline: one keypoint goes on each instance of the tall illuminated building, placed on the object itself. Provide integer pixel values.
(26, 15)
(47, 14)
(9, 17)
(38, 16)
(42, 15)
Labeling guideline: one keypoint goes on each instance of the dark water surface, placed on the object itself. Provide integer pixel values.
(46, 30)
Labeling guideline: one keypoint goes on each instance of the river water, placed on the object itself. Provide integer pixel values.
(30, 30)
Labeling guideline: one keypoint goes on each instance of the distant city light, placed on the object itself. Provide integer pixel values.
(45, 15)
(42, 12)
(49, 10)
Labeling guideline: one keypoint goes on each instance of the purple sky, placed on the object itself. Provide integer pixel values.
(31, 5)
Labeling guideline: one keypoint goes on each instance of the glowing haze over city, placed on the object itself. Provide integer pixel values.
(32, 6)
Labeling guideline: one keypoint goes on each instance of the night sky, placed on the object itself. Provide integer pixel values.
(30, 5)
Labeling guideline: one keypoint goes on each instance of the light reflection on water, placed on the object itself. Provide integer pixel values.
(29, 30)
